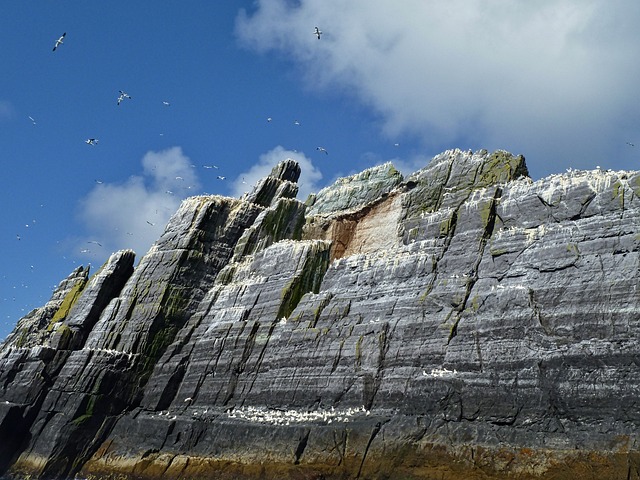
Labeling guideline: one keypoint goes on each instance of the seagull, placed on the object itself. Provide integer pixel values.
(296, 122)
(91, 141)
(210, 166)
(59, 41)
(631, 144)
(93, 241)
(99, 182)
(322, 149)
(166, 104)
(122, 96)
(152, 224)
(32, 120)
(220, 177)
(318, 33)
(269, 119)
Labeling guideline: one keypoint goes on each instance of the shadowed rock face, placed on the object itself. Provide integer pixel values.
(464, 322)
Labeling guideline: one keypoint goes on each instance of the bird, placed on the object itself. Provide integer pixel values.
(631, 144)
(150, 223)
(210, 166)
(99, 182)
(296, 122)
(220, 177)
(122, 96)
(166, 104)
(32, 120)
(93, 241)
(318, 33)
(269, 119)
(322, 149)
(59, 41)
(91, 141)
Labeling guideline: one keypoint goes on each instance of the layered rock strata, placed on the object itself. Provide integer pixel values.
(463, 322)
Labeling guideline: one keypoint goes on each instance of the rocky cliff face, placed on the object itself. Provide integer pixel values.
(464, 322)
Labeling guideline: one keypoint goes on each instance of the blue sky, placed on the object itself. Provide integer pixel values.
(554, 80)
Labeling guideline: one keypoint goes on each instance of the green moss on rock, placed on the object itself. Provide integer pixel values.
(67, 303)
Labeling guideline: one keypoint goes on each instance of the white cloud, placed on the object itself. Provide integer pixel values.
(6, 110)
(307, 183)
(134, 214)
(550, 79)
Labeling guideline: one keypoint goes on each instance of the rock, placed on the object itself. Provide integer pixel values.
(464, 322)
(355, 191)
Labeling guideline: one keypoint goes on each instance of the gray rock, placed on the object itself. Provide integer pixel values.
(464, 322)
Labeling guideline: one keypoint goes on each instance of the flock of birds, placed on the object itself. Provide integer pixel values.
(125, 96)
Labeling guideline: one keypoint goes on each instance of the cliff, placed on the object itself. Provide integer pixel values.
(463, 322)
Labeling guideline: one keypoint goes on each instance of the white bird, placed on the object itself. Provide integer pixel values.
(322, 149)
(99, 182)
(59, 41)
(91, 141)
(166, 104)
(296, 122)
(220, 177)
(318, 33)
(122, 96)
(210, 166)
(269, 119)
(32, 120)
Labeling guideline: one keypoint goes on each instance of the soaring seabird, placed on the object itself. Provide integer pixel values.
(59, 41)
(122, 96)
(318, 33)
(322, 149)
(91, 141)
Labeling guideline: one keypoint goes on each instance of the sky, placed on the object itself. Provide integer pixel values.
(222, 91)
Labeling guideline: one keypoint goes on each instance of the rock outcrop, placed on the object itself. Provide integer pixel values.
(464, 322)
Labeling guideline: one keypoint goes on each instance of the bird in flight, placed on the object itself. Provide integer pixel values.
(151, 223)
(96, 242)
(59, 41)
(631, 144)
(318, 33)
(91, 141)
(220, 177)
(322, 149)
(122, 96)
(32, 120)
(166, 104)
